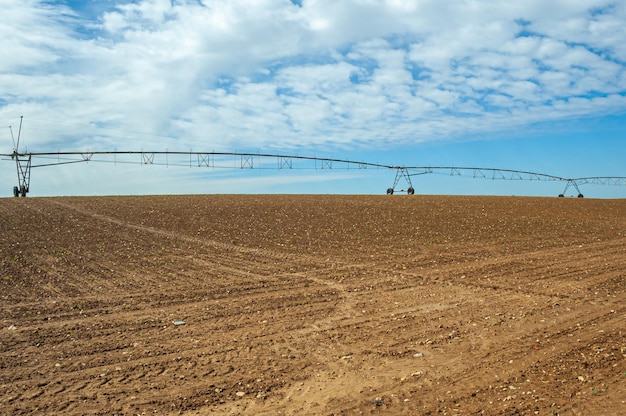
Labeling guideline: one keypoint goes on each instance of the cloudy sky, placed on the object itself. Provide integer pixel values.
(531, 85)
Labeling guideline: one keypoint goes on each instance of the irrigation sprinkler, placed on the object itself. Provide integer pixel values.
(248, 161)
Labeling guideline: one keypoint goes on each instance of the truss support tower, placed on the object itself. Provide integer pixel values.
(23, 163)
(571, 182)
(402, 173)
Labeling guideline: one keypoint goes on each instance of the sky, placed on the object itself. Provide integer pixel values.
(527, 85)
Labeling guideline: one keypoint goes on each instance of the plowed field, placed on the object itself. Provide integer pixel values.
(264, 305)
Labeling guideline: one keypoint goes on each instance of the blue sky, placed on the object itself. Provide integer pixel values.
(534, 85)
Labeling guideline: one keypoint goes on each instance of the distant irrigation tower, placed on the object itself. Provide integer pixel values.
(239, 160)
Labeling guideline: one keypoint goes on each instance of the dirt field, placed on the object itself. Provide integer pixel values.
(320, 305)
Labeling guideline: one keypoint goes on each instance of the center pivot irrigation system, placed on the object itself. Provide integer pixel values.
(238, 160)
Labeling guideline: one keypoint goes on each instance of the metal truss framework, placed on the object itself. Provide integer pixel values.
(239, 160)
(406, 172)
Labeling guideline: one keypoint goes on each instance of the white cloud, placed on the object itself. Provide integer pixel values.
(263, 73)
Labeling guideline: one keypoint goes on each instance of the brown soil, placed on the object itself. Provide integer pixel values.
(409, 305)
